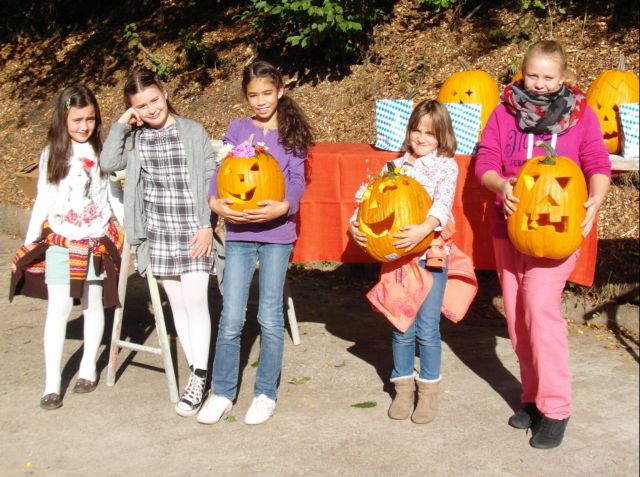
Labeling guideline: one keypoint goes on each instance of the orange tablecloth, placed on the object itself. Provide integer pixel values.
(336, 172)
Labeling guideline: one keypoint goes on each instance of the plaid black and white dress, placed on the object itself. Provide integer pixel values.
(168, 203)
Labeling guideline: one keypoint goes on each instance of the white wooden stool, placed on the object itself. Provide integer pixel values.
(163, 349)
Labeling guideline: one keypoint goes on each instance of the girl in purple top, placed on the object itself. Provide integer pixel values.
(263, 235)
(539, 107)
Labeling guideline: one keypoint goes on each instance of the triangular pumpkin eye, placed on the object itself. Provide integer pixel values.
(255, 167)
(529, 181)
(563, 181)
(469, 92)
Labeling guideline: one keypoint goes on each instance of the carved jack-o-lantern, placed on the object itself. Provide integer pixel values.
(471, 87)
(605, 95)
(389, 203)
(552, 192)
(248, 180)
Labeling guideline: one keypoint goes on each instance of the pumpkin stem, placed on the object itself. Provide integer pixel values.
(621, 61)
(465, 66)
(390, 167)
(550, 153)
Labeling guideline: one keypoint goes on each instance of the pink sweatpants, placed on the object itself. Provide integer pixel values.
(532, 293)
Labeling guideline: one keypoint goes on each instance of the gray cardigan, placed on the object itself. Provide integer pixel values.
(118, 154)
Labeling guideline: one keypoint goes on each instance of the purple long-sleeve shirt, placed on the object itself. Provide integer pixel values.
(283, 229)
(503, 149)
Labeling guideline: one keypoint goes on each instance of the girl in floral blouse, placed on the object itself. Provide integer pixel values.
(71, 228)
(431, 145)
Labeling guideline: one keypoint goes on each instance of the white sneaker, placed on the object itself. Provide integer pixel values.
(260, 411)
(213, 409)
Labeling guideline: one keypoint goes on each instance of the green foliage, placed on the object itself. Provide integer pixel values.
(545, 5)
(131, 35)
(198, 53)
(439, 5)
(335, 28)
(514, 66)
(160, 67)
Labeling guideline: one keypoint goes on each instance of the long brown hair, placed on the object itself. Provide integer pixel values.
(441, 122)
(294, 130)
(73, 96)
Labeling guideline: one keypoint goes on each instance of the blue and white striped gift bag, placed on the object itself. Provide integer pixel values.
(392, 117)
(466, 125)
(630, 119)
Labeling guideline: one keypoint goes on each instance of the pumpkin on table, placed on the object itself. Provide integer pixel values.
(248, 175)
(388, 203)
(552, 192)
(605, 95)
(471, 87)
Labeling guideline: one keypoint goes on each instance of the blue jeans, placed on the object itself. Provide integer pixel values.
(241, 259)
(426, 330)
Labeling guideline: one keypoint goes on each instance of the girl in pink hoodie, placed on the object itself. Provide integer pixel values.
(541, 106)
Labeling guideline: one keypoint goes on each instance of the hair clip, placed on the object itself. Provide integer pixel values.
(67, 104)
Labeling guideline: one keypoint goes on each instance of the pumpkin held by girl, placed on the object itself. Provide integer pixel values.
(249, 174)
(387, 204)
(552, 192)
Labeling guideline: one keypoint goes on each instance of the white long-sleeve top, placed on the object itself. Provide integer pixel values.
(81, 205)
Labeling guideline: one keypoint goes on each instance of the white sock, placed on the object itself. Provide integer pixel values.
(93, 312)
(55, 328)
(189, 305)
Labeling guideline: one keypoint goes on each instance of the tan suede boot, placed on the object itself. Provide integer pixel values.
(404, 399)
(427, 406)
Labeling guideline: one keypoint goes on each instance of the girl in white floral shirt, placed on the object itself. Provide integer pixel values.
(71, 224)
(431, 145)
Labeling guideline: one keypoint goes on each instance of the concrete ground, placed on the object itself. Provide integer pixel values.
(344, 359)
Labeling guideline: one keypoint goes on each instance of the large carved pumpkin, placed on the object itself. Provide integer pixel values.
(552, 192)
(250, 179)
(389, 203)
(471, 87)
(605, 95)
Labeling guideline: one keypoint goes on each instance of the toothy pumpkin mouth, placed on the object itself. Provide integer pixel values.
(610, 135)
(243, 196)
(535, 222)
(378, 229)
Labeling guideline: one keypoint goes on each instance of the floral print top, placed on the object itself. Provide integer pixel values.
(80, 206)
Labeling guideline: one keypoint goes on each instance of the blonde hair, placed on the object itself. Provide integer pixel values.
(441, 122)
(548, 48)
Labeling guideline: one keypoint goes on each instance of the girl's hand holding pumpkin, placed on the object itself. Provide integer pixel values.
(412, 235)
(508, 199)
(222, 209)
(131, 117)
(358, 236)
(201, 243)
(269, 210)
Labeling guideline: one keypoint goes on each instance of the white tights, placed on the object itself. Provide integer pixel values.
(55, 327)
(188, 298)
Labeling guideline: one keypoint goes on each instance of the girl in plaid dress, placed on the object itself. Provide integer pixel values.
(169, 162)
(265, 234)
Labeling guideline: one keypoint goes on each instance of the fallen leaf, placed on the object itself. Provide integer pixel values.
(230, 419)
(365, 404)
(255, 363)
(298, 381)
